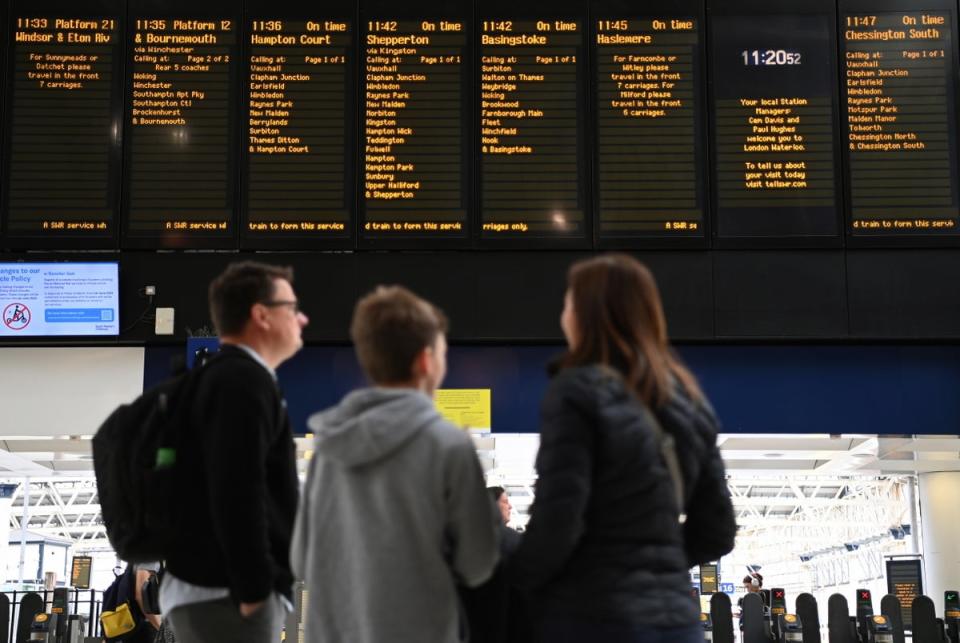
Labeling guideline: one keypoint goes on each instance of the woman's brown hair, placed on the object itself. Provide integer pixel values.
(620, 323)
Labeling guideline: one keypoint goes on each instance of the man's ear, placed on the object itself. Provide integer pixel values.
(421, 363)
(258, 316)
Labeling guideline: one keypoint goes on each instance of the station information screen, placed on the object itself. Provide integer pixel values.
(649, 180)
(532, 148)
(899, 85)
(63, 141)
(181, 143)
(905, 581)
(80, 567)
(414, 128)
(776, 173)
(299, 121)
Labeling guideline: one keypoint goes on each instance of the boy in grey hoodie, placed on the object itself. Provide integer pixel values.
(395, 510)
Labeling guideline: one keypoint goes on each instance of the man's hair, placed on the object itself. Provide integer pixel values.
(234, 292)
(390, 327)
(754, 580)
(495, 492)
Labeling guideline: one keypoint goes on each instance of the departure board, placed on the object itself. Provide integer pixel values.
(776, 170)
(532, 148)
(181, 140)
(63, 136)
(299, 181)
(899, 70)
(649, 152)
(414, 128)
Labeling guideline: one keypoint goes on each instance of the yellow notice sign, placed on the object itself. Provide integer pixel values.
(468, 408)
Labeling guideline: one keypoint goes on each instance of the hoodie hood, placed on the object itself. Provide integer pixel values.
(370, 424)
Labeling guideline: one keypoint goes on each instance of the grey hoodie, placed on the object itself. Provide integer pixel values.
(394, 511)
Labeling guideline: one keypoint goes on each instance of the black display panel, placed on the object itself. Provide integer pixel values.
(649, 172)
(299, 121)
(899, 67)
(180, 154)
(776, 171)
(533, 151)
(905, 581)
(415, 124)
(61, 184)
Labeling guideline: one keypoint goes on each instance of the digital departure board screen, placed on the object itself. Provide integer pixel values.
(414, 127)
(181, 148)
(532, 112)
(62, 152)
(899, 85)
(299, 180)
(776, 170)
(649, 148)
(80, 572)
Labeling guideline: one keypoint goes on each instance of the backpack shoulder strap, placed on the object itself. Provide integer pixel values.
(668, 446)
(668, 451)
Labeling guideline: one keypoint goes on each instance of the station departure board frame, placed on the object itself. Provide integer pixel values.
(407, 104)
(880, 119)
(173, 106)
(303, 122)
(748, 182)
(495, 13)
(660, 79)
(73, 174)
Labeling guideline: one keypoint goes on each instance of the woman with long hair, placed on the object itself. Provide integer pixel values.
(631, 490)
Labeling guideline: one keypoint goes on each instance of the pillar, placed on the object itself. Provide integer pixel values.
(6, 502)
(939, 502)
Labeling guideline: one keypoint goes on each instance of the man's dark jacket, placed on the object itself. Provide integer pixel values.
(604, 542)
(237, 482)
(496, 612)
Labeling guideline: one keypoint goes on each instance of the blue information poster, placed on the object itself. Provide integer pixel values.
(58, 299)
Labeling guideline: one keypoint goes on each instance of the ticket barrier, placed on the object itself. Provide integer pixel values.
(864, 615)
(707, 624)
(721, 619)
(44, 628)
(754, 621)
(809, 614)
(951, 615)
(879, 629)
(790, 628)
(54, 628)
(777, 607)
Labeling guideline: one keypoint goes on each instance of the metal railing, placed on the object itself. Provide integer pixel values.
(82, 601)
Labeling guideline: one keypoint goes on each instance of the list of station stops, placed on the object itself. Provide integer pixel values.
(180, 152)
(61, 181)
(298, 148)
(531, 128)
(413, 128)
(901, 122)
(648, 152)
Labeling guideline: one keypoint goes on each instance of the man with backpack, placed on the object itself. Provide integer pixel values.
(227, 574)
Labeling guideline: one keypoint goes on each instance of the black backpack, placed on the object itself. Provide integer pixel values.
(134, 457)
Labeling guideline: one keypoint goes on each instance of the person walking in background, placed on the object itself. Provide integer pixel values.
(752, 584)
(228, 578)
(627, 444)
(394, 512)
(496, 611)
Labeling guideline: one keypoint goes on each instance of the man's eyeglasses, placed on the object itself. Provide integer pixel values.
(294, 305)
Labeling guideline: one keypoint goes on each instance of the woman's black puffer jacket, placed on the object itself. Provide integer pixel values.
(604, 542)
